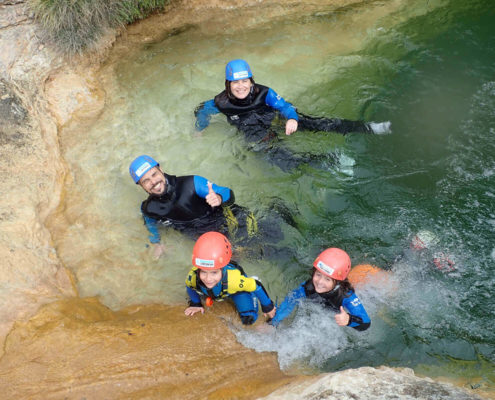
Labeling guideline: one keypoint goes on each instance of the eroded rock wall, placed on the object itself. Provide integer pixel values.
(30, 172)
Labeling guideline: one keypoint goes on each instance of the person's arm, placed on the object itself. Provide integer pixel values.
(288, 305)
(152, 226)
(202, 187)
(194, 299)
(285, 108)
(267, 305)
(195, 304)
(358, 317)
(237, 282)
(278, 103)
(154, 236)
(203, 114)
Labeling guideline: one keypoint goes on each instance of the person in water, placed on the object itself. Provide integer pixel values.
(215, 276)
(252, 107)
(190, 204)
(426, 241)
(329, 285)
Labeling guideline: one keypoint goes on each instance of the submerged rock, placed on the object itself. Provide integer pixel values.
(368, 383)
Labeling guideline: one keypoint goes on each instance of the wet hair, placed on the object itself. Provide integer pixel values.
(254, 89)
(344, 287)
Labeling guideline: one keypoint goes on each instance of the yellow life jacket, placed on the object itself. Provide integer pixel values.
(233, 281)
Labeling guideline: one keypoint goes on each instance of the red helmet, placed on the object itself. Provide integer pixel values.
(334, 263)
(211, 251)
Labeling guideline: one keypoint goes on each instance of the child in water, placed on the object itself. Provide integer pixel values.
(329, 285)
(215, 277)
(252, 107)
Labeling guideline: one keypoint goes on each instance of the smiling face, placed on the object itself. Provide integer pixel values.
(210, 278)
(153, 181)
(241, 88)
(322, 283)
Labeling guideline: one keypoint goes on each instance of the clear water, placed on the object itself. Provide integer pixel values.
(427, 66)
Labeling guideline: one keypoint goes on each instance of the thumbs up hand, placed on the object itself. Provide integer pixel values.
(212, 198)
(342, 318)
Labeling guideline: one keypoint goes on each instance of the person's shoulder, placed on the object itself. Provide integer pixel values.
(351, 298)
(191, 277)
(303, 290)
(145, 202)
(232, 270)
(262, 89)
(182, 179)
(220, 97)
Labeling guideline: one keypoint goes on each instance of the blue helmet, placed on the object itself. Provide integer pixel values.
(236, 70)
(140, 166)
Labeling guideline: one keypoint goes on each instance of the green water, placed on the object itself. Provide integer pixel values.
(427, 66)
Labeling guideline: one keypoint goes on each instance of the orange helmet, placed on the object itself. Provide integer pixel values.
(334, 263)
(211, 251)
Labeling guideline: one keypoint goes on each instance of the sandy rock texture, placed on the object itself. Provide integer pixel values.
(74, 349)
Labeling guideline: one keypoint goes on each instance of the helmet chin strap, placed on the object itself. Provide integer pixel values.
(336, 287)
(168, 188)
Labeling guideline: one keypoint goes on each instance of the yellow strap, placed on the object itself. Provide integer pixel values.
(232, 223)
(251, 224)
(191, 278)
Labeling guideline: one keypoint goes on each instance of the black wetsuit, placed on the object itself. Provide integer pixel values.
(254, 116)
(183, 206)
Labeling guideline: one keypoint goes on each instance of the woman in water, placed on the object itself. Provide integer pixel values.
(252, 107)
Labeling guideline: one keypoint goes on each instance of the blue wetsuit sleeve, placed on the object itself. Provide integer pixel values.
(359, 318)
(288, 305)
(279, 104)
(201, 187)
(203, 113)
(262, 295)
(152, 226)
(194, 299)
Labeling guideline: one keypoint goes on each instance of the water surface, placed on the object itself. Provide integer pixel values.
(427, 66)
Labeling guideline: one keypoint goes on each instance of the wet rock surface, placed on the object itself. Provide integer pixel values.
(371, 384)
(80, 349)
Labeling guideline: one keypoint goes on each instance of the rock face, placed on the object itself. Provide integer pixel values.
(371, 384)
(80, 349)
(30, 173)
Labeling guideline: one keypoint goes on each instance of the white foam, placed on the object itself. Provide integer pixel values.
(312, 337)
(381, 128)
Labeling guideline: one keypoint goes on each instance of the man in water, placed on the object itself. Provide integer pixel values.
(190, 204)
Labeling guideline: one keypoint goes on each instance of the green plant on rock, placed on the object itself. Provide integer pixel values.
(76, 24)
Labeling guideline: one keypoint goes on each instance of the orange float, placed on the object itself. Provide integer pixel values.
(363, 273)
